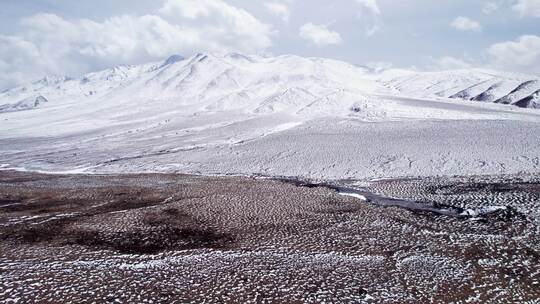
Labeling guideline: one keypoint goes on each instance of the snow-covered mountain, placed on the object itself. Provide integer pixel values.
(207, 82)
(255, 84)
(284, 115)
(471, 84)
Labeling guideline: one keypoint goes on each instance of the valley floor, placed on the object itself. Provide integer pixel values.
(331, 148)
(160, 238)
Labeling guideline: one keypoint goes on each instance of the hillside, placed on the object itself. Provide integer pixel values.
(285, 115)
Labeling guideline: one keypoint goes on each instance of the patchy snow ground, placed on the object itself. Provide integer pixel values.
(284, 115)
(164, 238)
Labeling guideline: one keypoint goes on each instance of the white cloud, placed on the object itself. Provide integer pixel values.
(370, 16)
(319, 34)
(466, 24)
(222, 19)
(449, 63)
(490, 7)
(370, 5)
(17, 60)
(279, 9)
(50, 44)
(527, 8)
(521, 55)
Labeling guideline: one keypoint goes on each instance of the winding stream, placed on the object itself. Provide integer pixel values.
(365, 195)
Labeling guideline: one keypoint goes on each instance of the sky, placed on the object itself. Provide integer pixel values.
(65, 37)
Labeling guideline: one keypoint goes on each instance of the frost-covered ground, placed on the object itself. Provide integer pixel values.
(284, 115)
(473, 141)
(162, 238)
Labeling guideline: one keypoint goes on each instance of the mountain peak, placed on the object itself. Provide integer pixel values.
(52, 80)
(172, 59)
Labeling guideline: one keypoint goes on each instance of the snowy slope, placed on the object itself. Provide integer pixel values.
(531, 101)
(471, 84)
(280, 115)
(209, 82)
(27, 103)
(524, 90)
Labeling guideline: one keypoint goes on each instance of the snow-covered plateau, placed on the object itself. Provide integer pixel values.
(285, 115)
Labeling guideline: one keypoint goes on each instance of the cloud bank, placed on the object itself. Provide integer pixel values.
(50, 44)
(527, 8)
(522, 54)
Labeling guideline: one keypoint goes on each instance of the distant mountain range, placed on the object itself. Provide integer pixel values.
(473, 84)
(255, 84)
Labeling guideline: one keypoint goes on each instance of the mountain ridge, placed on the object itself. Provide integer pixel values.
(212, 79)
